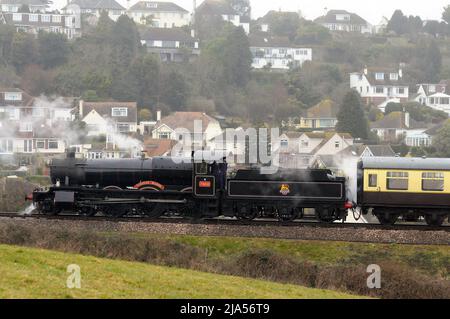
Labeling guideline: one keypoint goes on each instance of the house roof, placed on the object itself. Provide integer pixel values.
(215, 7)
(325, 109)
(265, 41)
(25, 2)
(104, 109)
(157, 6)
(27, 100)
(186, 120)
(158, 147)
(166, 34)
(396, 120)
(381, 150)
(371, 72)
(330, 17)
(327, 137)
(97, 4)
(294, 135)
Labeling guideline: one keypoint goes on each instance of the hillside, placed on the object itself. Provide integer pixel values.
(35, 273)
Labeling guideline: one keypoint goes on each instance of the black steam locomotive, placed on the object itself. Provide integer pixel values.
(194, 189)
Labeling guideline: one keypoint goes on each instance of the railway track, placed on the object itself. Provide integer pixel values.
(233, 222)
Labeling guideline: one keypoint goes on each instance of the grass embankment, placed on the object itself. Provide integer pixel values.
(35, 273)
(407, 271)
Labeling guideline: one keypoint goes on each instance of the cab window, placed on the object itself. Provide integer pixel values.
(373, 180)
(397, 180)
(432, 181)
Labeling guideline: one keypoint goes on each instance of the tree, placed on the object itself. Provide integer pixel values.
(398, 23)
(174, 91)
(446, 14)
(442, 140)
(351, 116)
(23, 50)
(242, 7)
(145, 115)
(125, 41)
(53, 49)
(284, 24)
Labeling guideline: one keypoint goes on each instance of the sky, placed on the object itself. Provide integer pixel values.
(372, 11)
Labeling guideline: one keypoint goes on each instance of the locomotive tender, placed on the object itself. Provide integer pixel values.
(160, 187)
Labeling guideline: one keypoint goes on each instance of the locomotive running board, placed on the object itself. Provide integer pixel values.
(138, 201)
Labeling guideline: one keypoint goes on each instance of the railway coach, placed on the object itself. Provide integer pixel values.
(410, 188)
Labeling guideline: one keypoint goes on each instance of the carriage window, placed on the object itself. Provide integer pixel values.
(397, 180)
(373, 180)
(433, 181)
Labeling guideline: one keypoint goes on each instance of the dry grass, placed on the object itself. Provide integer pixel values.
(399, 280)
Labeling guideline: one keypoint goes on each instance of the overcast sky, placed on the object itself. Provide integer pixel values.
(372, 11)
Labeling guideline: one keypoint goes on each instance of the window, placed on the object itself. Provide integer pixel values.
(379, 76)
(337, 144)
(393, 76)
(33, 17)
(445, 100)
(40, 144)
(119, 111)
(37, 112)
(45, 18)
(123, 128)
(53, 144)
(397, 180)
(284, 143)
(17, 17)
(56, 19)
(401, 90)
(164, 135)
(6, 146)
(13, 96)
(373, 180)
(379, 89)
(26, 127)
(433, 181)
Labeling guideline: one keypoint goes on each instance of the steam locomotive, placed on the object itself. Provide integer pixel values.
(189, 188)
(389, 188)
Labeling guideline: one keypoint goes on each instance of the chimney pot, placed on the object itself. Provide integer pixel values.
(158, 115)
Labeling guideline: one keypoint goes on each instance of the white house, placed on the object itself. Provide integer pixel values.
(159, 14)
(380, 86)
(341, 20)
(171, 45)
(95, 8)
(434, 95)
(299, 149)
(193, 130)
(102, 118)
(277, 53)
(68, 23)
(223, 10)
(15, 5)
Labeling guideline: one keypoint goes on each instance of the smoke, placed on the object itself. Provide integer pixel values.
(348, 165)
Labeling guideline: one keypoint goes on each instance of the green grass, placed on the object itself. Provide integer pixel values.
(433, 260)
(36, 273)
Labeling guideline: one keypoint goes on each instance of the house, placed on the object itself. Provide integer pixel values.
(103, 118)
(221, 8)
(68, 24)
(95, 8)
(436, 96)
(277, 53)
(341, 20)
(337, 162)
(298, 149)
(159, 14)
(171, 45)
(379, 86)
(322, 116)
(381, 27)
(396, 126)
(193, 130)
(158, 147)
(12, 6)
(18, 106)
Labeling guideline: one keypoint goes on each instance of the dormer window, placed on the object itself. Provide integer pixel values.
(393, 77)
(343, 17)
(432, 88)
(13, 96)
(379, 76)
(119, 112)
(152, 5)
